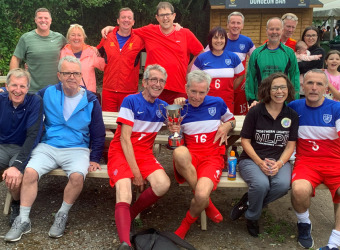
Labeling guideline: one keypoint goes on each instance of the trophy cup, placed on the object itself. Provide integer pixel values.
(173, 114)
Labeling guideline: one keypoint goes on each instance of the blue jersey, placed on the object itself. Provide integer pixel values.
(318, 129)
(242, 47)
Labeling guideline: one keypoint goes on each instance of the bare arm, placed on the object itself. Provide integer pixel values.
(125, 140)
(192, 61)
(106, 31)
(222, 132)
(334, 91)
(237, 81)
(15, 62)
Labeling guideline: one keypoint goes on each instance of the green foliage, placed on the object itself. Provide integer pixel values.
(17, 17)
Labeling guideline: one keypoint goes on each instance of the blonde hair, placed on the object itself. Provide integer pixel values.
(75, 26)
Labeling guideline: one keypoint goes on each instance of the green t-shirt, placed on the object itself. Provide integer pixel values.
(268, 62)
(41, 54)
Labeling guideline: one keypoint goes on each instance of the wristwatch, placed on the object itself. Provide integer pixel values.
(232, 124)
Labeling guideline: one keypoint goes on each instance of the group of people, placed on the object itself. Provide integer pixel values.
(42, 131)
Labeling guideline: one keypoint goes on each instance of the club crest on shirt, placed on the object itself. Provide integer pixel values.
(158, 113)
(212, 111)
(228, 61)
(327, 118)
(242, 46)
(286, 122)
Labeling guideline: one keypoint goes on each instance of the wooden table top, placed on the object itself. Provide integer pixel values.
(110, 119)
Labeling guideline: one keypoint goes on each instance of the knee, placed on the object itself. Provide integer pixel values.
(202, 197)
(301, 189)
(76, 179)
(161, 186)
(30, 176)
(124, 195)
(260, 187)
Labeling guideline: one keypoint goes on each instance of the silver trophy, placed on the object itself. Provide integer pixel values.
(173, 114)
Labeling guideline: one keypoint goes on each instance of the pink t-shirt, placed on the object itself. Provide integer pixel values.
(335, 81)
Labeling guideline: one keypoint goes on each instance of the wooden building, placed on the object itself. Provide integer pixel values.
(256, 18)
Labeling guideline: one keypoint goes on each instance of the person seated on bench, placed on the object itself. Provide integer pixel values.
(20, 131)
(130, 154)
(73, 139)
(317, 155)
(268, 138)
(200, 162)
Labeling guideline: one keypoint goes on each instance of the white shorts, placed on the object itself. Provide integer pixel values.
(72, 160)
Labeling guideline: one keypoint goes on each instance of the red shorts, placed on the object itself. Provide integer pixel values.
(111, 101)
(118, 168)
(206, 166)
(240, 100)
(169, 96)
(315, 173)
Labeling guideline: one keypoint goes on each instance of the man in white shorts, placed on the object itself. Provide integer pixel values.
(73, 139)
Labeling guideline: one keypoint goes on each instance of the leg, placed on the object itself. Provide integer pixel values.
(198, 204)
(302, 191)
(279, 184)
(184, 166)
(160, 184)
(73, 188)
(122, 209)
(334, 239)
(259, 187)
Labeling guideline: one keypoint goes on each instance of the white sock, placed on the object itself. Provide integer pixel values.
(65, 207)
(25, 213)
(303, 217)
(334, 240)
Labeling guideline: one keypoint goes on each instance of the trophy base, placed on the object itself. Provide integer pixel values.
(174, 142)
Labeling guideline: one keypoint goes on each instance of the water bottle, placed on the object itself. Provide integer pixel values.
(232, 161)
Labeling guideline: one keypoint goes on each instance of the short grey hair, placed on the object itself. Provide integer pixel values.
(70, 59)
(198, 76)
(290, 16)
(154, 67)
(42, 10)
(18, 73)
(235, 13)
(274, 18)
(319, 71)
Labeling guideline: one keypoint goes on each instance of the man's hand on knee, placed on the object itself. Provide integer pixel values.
(13, 177)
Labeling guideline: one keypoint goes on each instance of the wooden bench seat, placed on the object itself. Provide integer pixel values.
(225, 183)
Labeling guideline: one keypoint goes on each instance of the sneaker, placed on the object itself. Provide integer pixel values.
(239, 208)
(15, 210)
(58, 227)
(18, 229)
(124, 246)
(305, 238)
(327, 248)
(253, 228)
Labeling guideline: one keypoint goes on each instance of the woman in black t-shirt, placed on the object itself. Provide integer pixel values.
(268, 139)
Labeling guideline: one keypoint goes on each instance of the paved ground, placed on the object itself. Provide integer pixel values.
(91, 221)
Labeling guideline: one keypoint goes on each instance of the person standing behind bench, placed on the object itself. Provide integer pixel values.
(130, 154)
(270, 58)
(40, 48)
(73, 139)
(20, 131)
(200, 162)
(268, 138)
(85, 53)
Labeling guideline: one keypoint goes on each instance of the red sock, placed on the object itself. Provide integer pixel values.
(145, 200)
(123, 221)
(185, 225)
(213, 213)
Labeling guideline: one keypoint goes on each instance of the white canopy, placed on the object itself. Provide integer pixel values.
(331, 9)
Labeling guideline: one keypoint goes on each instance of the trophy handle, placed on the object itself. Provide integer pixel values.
(160, 110)
(185, 112)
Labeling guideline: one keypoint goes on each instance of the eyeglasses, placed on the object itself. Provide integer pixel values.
(276, 88)
(68, 74)
(289, 17)
(311, 36)
(167, 15)
(76, 25)
(155, 80)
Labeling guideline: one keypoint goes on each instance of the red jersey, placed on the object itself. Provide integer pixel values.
(121, 72)
(171, 51)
